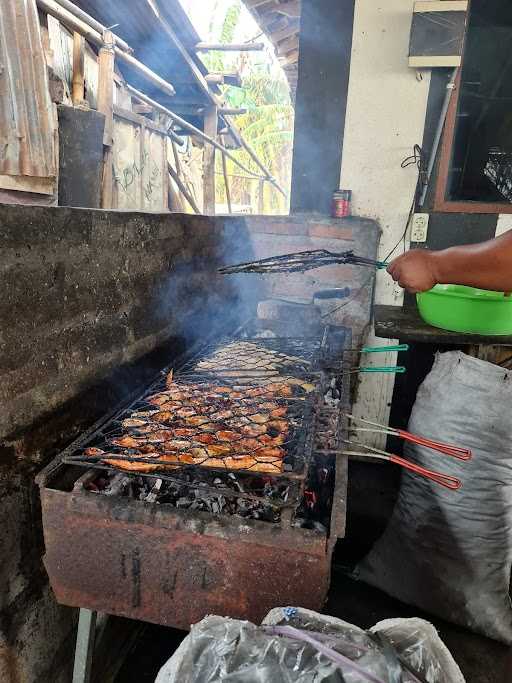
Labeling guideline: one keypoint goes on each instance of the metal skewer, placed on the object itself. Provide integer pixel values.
(302, 261)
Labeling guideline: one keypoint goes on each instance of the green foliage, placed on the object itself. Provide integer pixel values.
(267, 126)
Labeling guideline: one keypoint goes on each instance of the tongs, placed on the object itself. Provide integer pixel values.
(439, 446)
(445, 480)
(301, 261)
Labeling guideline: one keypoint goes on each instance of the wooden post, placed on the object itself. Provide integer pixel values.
(105, 106)
(78, 95)
(261, 189)
(210, 128)
(226, 182)
(182, 188)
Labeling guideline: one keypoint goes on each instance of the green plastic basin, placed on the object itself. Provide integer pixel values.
(466, 309)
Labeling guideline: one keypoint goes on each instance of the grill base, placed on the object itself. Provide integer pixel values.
(173, 568)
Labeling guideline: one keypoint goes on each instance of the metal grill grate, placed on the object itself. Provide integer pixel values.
(238, 421)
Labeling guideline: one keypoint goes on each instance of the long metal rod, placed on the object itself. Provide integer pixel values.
(188, 126)
(84, 646)
(72, 22)
(437, 138)
(92, 22)
(268, 176)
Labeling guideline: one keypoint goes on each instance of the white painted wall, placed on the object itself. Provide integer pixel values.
(385, 117)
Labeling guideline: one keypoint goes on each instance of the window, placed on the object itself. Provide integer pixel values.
(475, 171)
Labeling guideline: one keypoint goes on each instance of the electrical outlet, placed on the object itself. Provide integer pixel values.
(419, 229)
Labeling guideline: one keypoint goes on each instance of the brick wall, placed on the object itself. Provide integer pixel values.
(93, 304)
(284, 235)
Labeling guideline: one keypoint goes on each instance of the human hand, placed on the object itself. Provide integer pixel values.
(415, 270)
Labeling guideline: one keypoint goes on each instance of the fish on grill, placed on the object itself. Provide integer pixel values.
(238, 416)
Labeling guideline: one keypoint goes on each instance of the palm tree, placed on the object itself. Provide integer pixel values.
(267, 126)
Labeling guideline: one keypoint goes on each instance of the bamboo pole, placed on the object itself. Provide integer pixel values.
(78, 92)
(226, 182)
(255, 158)
(210, 128)
(106, 60)
(238, 47)
(177, 161)
(188, 126)
(75, 24)
(182, 188)
(92, 22)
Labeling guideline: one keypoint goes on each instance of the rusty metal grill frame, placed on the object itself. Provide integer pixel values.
(173, 566)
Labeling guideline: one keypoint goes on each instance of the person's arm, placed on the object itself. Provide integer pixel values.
(487, 265)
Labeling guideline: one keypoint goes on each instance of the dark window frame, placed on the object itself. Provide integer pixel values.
(441, 203)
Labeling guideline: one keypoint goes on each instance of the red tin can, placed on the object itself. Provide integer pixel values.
(341, 201)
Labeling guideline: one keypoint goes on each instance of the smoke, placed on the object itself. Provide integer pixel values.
(199, 302)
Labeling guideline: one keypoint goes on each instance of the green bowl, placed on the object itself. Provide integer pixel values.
(466, 309)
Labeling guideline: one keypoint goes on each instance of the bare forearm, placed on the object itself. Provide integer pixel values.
(487, 265)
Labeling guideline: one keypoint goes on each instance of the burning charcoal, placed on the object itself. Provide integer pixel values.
(153, 494)
(183, 503)
(117, 485)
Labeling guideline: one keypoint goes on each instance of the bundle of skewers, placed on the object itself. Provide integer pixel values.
(302, 261)
(360, 426)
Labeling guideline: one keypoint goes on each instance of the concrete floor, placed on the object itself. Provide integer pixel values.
(481, 660)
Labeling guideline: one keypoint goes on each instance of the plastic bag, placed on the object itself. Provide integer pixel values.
(221, 649)
(448, 552)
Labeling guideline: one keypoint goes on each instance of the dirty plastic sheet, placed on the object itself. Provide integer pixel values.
(328, 651)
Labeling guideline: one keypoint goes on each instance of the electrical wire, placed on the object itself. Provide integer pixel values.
(417, 159)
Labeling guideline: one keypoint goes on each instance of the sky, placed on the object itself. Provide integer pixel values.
(201, 13)
(207, 16)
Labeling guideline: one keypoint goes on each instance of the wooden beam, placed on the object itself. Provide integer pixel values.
(106, 60)
(257, 3)
(142, 109)
(226, 180)
(217, 78)
(186, 126)
(289, 9)
(91, 21)
(210, 128)
(290, 58)
(291, 43)
(291, 28)
(261, 189)
(232, 47)
(194, 68)
(78, 91)
(229, 111)
(183, 189)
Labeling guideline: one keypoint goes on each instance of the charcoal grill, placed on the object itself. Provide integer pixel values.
(171, 546)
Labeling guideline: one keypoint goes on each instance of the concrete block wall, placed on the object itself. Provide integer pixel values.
(93, 304)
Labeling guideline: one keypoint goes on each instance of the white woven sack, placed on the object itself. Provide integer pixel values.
(448, 552)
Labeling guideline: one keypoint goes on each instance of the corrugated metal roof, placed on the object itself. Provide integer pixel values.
(27, 145)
